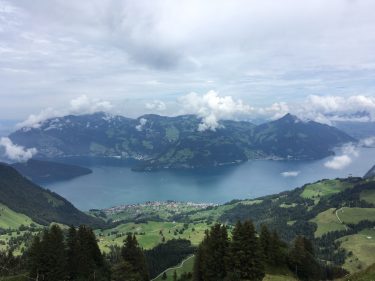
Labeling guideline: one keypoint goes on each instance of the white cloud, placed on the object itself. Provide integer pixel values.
(156, 105)
(338, 162)
(85, 105)
(326, 109)
(290, 173)
(348, 152)
(212, 108)
(16, 152)
(78, 106)
(142, 123)
(368, 142)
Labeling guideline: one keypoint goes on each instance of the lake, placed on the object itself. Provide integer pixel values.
(113, 183)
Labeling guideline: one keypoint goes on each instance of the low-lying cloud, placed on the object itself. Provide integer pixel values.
(16, 152)
(79, 105)
(212, 108)
(339, 162)
(290, 174)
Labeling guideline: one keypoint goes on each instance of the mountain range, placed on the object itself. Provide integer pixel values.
(160, 142)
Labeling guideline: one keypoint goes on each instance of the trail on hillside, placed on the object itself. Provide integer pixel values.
(174, 268)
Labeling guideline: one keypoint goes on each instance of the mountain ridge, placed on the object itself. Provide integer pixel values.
(161, 142)
(41, 205)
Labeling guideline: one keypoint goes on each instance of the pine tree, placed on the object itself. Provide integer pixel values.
(245, 258)
(34, 258)
(133, 255)
(214, 253)
(302, 261)
(72, 253)
(265, 243)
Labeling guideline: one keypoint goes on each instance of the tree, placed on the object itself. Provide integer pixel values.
(72, 252)
(133, 255)
(265, 241)
(210, 258)
(164, 276)
(245, 258)
(302, 261)
(175, 276)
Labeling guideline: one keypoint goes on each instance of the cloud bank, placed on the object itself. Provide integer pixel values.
(212, 108)
(290, 174)
(260, 52)
(343, 160)
(78, 106)
(16, 152)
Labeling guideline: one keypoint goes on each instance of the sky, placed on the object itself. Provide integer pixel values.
(240, 59)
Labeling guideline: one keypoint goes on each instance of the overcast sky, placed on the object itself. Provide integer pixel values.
(171, 57)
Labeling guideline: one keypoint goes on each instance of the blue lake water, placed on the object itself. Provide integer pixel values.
(113, 183)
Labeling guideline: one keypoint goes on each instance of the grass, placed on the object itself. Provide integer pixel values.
(324, 188)
(11, 219)
(355, 215)
(368, 196)
(279, 274)
(362, 249)
(366, 275)
(14, 278)
(326, 222)
(151, 234)
(186, 267)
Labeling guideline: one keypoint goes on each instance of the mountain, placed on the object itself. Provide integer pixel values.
(41, 205)
(40, 171)
(370, 173)
(356, 129)
(175, 142)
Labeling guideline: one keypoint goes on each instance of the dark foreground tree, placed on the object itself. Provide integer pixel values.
(302, 261)
(211, 255)
(245, 258)
(133, 265)
(78, 258)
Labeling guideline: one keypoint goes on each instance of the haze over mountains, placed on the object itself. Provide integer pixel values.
(178, 142)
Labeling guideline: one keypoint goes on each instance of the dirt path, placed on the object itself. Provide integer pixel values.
(174, 268)
(337, 215)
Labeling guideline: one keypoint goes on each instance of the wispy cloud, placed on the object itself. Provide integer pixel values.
(16, 152)
(344, 159)
(290, 173)
(270, 52)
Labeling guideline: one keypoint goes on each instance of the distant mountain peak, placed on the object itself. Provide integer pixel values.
(290, 118)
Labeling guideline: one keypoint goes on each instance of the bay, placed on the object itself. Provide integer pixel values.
(113, 183)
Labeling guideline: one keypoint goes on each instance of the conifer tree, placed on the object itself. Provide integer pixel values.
(265, 243)
(72, 253)
(245, 258)
(214, 253)
(302, 261)
(133, 255)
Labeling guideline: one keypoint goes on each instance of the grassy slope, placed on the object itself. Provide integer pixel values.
(326, 222)
(362, 245)
(152, 236)
(11, 219)
(365, 275)
(186, 267)
(324, 188)
(355, 215)
(368, 196)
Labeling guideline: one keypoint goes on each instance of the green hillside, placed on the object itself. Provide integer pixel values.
(12, 220)
(41, 205)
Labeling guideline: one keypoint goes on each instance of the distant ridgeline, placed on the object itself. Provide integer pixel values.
(160, 142)
(46, 171)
